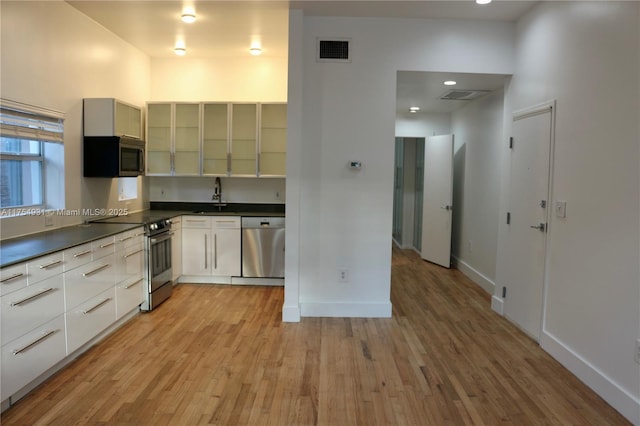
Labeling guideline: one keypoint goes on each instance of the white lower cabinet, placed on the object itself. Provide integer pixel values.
(196, 251)
(176, 249)
(86, 281)
(88, 319)
(129, 295)
(31, 306)
(30, 355)
(226, 252)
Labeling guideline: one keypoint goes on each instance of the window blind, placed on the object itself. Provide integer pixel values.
(32, 123)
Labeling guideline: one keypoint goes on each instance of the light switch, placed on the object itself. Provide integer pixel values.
(561, 209)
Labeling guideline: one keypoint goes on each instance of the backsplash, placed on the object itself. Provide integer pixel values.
(200, 189)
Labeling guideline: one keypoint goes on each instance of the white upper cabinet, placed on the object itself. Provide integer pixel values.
(273, 140)
(111, 117)
(215, 139)
(244, 137)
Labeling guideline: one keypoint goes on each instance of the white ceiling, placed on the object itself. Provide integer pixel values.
(228, 28)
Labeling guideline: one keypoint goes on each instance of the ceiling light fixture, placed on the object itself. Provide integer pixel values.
(450, 83)
(483, 1)
(180, 51)
(414, 109)
(188, 17)
(255, 51)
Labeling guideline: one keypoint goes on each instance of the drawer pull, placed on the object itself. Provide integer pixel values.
(126, 238)
(139, 234)
(33, 296)
(226, 221)
(96, 306)
(82, 253)
(45, 334)
(12, 277)
(127, 287)
(107, 245)
(98, 269)
(196, 221)
(50, 264)
(131, 254)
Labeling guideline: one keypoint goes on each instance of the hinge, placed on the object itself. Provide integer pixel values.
(511, 142)
(508, 218)
(504, 292)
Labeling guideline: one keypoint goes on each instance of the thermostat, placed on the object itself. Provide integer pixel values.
(355, 165)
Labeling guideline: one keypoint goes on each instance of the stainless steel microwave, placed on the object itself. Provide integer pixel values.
(113, 156)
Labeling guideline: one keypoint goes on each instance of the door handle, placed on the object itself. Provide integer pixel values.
(541, 227)
(447, 207)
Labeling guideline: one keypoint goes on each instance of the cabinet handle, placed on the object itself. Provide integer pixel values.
(82, 253)
(49, 265)
(107, 245)
(98, 269)
(45, 334)
(196, 220)
(226, 221)
(131, 254)
(215, 251)
(126, 238)
(127, 287)
(30, 298)
(12, 277)
(96, 306)
(139, 234)
(228, 164)
(205, 252)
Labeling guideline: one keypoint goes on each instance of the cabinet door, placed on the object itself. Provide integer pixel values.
(273, 140)
(13, 278)
(196, 252)
(159, 139)
(244, 140)
(129, 295)
(187, 139)
(176, 251)
(226, 252)
(86, 281)
(129, 264)
(128, 120)
(88, 319)
(215, 140)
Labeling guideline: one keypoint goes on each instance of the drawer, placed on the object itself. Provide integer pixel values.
(129, 238)
(45, 267)
(226, 222)
(77, 256)
(103, 247)
(30, 355)
(196, 222)
(13, 278)
(87, 281)
(87, 320)
(25, 309)
(129, 263)
(129, 295)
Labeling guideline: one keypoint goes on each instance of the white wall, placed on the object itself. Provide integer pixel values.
(585, 55)
(478, 133)
(423, 124)
(409, 191)
(348, 113)
(53, 56)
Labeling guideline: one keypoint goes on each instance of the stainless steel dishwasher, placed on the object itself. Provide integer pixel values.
(263, 247)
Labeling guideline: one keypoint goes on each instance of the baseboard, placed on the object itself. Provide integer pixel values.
(291, 313)
(474, 275)
(497, 304)
(346, 310)
(279, 282)
(620, 399)
(204, 279)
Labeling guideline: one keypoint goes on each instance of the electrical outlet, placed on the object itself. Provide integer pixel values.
(343, 275)
(636, 355)
(277, 195)
(470, 246)
(48, 219)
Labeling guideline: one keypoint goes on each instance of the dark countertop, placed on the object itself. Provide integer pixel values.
(22, 249)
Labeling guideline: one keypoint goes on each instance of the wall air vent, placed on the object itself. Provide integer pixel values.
(333, 50)
(463, 95)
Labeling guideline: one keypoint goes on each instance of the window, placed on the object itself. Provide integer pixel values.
(25, 133)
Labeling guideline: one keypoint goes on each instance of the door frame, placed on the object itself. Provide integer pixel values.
(548, 106)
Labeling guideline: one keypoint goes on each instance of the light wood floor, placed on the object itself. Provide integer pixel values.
(221, 355)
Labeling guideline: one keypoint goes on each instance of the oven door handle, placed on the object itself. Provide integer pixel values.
(161, 239)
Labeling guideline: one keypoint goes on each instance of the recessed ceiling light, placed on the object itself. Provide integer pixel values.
(180, 51)
(414, 109)
(255, 51)
(189, 17)
(450, 83)
(483, 1)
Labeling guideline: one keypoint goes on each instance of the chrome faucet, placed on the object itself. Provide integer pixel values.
(217, 191)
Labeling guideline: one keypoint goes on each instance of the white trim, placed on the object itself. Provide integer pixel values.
(619, 398)
(206, 279)
(15, 105)
(534, 110)
(474, 275)
(258, 281)
(497, 304)
(291, 313)
(346, 310)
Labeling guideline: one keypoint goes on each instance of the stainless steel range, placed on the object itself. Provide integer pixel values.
(157, 247)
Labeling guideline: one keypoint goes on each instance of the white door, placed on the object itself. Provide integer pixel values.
(528, 201)
(437, 196)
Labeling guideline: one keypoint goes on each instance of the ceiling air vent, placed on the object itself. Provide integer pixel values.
(463, 95)
(333, 50)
